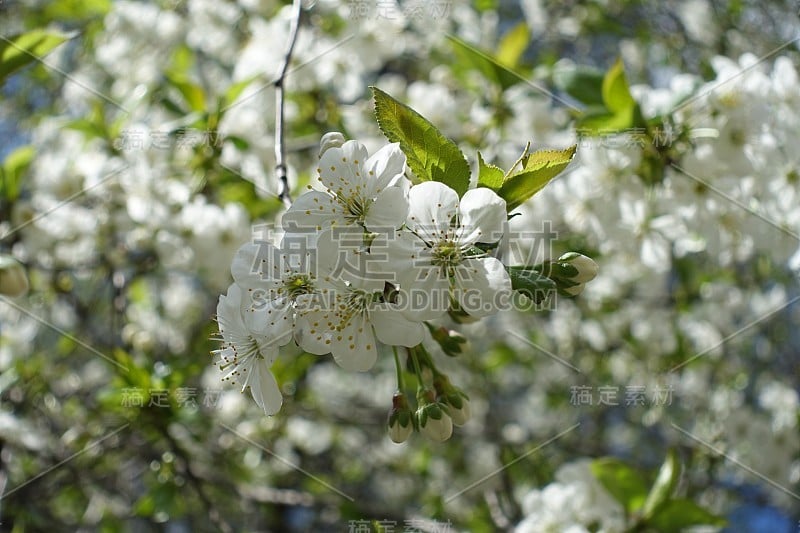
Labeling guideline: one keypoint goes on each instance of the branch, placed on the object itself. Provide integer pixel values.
(280, 150)
(199, 485)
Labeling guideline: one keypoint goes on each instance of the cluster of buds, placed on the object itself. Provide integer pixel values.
(440, 406)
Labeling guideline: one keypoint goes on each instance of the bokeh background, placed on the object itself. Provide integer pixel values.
(138, 155)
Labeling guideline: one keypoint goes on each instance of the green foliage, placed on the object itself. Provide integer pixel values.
(513, 44)
(13, 170)
(430, 155)
(657, 508)
(623, 482)
(617, 111)
(664, 486)
(682, 513)
(194, 97)
(489, 175)
(74, 10)
(491, 68)
(538, 168)
(17, 51)
(616, 93)
(583, 83)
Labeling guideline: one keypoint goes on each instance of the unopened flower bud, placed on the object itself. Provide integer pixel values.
(458, 409)
(13, 279)
(454, 398)
(451, 342)
(333, 139)
(575, 290)
(400, 419)
(432, 418)
(587, 268)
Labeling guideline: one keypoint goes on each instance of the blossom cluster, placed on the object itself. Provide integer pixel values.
(369, 259)
(666, 291)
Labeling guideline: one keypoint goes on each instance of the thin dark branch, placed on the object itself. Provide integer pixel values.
(199, 485)
(280, 149)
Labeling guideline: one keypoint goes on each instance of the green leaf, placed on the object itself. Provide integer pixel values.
(19, 50)
(13, 170)
(616, 93)
(76, 10)
(513, 45)
(676, 515)
(430, 155)
(234, 91)
(623, 482)
(484, 63)
(89, 128)
(539, 168)
(485, 5)
(584, 84)
(489, 176)
(192, 93)
(239, 142)
(664, 486)
(529, 282)
(604, 123)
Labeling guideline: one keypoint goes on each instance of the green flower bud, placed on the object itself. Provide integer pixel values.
(459, 409)
(401, 421)
(586, 267)
(432, 418)
(13, 279)
(451, 342)
(454, 398)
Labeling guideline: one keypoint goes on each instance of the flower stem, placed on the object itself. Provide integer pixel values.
(401, 386)
(412, 352)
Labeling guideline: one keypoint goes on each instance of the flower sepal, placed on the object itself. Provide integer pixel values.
(432, 417)
(401, 419)
(455, 399)
(450, 341)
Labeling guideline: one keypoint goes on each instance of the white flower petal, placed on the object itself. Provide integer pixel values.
(312, 211)
(263, 387)
(431, 207)
(394, 329)
(400, 254)
(340, 169)
(482, 216)
(340, 256)
(388, 211)
(482, 286)
(312, 333)
(271, 319)
(384, 168)
(229, 310)
(354, 347)
(427, 296)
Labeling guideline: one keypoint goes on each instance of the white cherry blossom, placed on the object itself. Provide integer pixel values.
(434, 256)
(245, 358)
(361, 190)
(353, 313)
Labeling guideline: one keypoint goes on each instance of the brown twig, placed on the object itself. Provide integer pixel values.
(280, 149)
